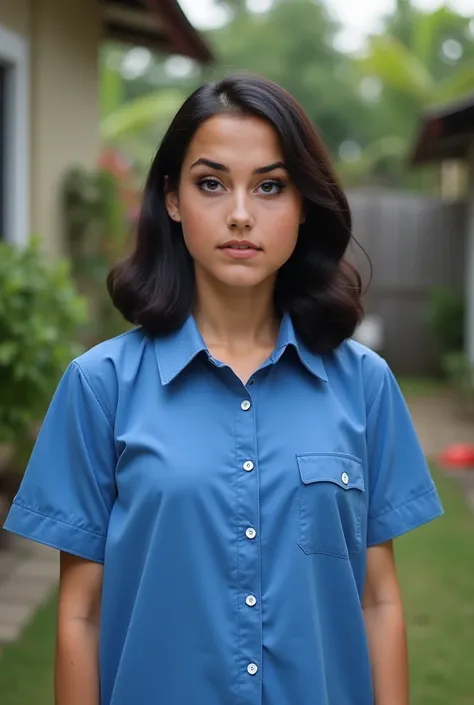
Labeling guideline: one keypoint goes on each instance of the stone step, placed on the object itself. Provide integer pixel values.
(14, 591)
(30, 573)
(8, 563)
(38, 569)
(11, 614)
(9, 633)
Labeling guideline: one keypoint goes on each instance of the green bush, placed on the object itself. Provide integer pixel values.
(96, 229)
(446, 313)
(39, 316)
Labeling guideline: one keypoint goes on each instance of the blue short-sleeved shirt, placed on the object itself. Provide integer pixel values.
(233, 521)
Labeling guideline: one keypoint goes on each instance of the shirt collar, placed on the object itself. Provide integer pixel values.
(175, 351)
(288, 337)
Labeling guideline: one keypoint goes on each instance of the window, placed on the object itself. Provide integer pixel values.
(14, 138)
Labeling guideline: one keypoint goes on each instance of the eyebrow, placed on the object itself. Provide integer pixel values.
(221, 167)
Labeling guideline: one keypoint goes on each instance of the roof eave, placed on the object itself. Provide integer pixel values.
(184, 38)
(446, 132)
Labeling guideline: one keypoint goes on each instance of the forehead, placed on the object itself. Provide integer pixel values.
(235, 140)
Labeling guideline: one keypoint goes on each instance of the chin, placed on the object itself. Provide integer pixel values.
(245, 280)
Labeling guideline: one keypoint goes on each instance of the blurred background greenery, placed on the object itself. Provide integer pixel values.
(367, 102)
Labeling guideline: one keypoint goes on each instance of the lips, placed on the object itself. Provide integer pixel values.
(240, 245)
(240, 250)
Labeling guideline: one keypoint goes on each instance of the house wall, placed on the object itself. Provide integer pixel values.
(64, 39)
(16, 16)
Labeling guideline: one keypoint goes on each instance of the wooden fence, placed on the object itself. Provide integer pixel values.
(415, 243)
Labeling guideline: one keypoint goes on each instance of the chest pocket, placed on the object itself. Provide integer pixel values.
(331, 502)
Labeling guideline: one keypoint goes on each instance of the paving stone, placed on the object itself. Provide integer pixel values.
(44, 553)
(8, 562)
(14, 592)
(19, 545)
(38, 569)
(15, 614)
(9, 632)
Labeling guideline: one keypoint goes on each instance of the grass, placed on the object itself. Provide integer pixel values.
(437, 576)
(26, 668)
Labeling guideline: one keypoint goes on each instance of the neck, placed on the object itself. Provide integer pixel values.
(236, 318)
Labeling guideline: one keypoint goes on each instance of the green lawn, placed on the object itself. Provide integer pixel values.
(437, 573)
(26, 668)
(436, 568)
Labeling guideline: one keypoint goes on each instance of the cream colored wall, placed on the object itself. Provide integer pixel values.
(64, 38)
(15, 16)
(65, 103)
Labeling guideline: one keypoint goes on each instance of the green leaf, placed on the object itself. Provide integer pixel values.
(40, 312)
(456, 86)
(155, 108)
(111, 90)
(426, 31)
(397, 67)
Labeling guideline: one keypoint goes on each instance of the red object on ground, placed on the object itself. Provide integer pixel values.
(457, 456)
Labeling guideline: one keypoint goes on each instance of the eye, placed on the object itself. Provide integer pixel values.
(272, 188)
(209, 185)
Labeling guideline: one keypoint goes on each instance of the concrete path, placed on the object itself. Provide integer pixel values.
(439, 422)
(29, 572)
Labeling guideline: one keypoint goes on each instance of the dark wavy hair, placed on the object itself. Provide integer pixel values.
(154, 287)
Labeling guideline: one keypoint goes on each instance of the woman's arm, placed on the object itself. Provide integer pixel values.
(385, 624)
(77, 647)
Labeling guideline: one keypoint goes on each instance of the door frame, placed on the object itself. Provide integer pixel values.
(14, 58)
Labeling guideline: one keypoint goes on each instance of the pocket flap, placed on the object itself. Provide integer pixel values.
(343, 470)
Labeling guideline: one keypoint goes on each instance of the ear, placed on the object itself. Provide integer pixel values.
(172, 202)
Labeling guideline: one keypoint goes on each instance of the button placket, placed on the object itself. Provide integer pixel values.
(250, 638)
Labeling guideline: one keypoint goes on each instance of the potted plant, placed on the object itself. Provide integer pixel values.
(40, 312)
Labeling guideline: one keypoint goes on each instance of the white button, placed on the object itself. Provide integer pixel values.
(252, 669)
(248, 466)
(250, 533)
(251, 600)
(245, 406)
(345, 478)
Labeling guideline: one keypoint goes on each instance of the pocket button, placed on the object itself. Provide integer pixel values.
(345, 478)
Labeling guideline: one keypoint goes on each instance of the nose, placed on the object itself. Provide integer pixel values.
(240, 216)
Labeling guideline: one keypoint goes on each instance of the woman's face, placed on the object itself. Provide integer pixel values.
(239, 211)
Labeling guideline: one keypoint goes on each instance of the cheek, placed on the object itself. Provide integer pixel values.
(197, 222)
(284, 233)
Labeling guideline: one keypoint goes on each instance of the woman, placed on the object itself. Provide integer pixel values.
(224, 482)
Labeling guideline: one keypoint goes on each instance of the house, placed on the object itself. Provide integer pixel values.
(446, 136)
(49, 95)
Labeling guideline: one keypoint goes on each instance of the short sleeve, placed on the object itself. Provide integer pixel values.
(402, 495)
(68, 490)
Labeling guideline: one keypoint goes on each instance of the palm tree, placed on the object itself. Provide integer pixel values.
(134, 126)
(421, 60)
(420, 55)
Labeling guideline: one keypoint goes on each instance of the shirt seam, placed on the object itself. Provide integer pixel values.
(376, 393)
(376, 517)
(104, 409)
(59, 521)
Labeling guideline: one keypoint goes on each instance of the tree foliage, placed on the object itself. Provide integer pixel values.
(418, 59)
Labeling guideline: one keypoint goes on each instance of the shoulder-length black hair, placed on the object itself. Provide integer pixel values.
(154, 287)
